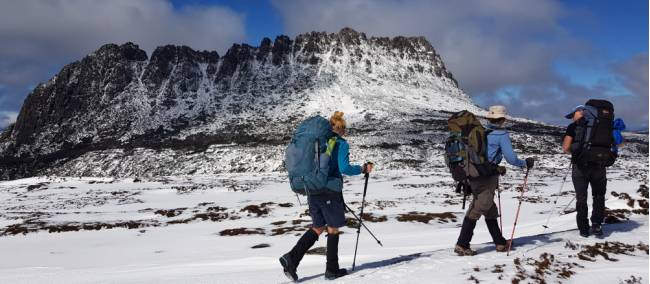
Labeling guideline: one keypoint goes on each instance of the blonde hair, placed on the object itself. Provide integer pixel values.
(337, 121)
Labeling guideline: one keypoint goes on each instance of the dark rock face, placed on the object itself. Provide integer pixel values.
(84, 86)
(118, 98)
(281, 49)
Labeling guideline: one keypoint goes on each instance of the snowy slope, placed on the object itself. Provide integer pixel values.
(190, 229)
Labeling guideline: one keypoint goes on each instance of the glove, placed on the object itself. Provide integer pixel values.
(367, 167)
(530, 162)
(501, 170)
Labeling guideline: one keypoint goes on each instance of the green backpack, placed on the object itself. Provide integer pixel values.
(466, 150)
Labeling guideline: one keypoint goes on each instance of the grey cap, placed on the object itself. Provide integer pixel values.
(577, 108)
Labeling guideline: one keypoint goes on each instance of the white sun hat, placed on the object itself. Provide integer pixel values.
(497, 112)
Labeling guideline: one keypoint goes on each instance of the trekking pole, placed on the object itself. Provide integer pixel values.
(567, 206)
(557, 197)
(500, 217)
(460, 188)
(299, 203)
(523, 189)
(464, 199)
(364, 225)
(363, 202)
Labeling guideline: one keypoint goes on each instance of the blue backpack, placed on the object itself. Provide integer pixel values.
(619, 126)
(307, 157)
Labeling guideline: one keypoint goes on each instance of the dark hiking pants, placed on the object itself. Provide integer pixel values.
(582, 177)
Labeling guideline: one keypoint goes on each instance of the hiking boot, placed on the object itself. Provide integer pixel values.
(331, 275)
(504, 247)
(332, 270)
(291, 260)
(289, 267)
(597, 230)
(584, 233)
(462, 251)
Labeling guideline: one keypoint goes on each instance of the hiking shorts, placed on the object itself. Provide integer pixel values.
(327, 209)
(483, 198)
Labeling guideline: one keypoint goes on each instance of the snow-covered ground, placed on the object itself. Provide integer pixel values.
(180, 230)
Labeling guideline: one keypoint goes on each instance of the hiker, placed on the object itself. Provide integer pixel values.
(327, 209)
(590, 157)
(483, 188)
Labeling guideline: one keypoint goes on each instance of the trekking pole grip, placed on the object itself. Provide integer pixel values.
(364, 168)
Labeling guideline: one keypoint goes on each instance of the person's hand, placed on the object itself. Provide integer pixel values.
(367, 168)
(530, 162)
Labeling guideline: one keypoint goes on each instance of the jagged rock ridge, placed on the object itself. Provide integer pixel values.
(179, 98)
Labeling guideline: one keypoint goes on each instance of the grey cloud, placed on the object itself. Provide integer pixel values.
(68, 27)
(633, 75)
(39, 37)
(6, 118)
(486, 44)
(627, 89)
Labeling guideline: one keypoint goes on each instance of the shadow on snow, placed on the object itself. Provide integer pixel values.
(536, 241)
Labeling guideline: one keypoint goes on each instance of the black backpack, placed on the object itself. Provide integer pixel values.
(594, 136)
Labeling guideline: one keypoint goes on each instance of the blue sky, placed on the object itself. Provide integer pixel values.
(618, 30)
(531, 55)
(262, 20)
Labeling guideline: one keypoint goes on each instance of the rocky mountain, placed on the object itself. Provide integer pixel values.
(180, 111)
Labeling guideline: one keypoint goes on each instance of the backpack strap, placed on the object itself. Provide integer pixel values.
(487, 153)
(588, 133)
(330, 145)
(317, 151)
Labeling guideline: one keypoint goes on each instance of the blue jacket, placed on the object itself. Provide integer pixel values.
(340, 165)
(500, 145)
